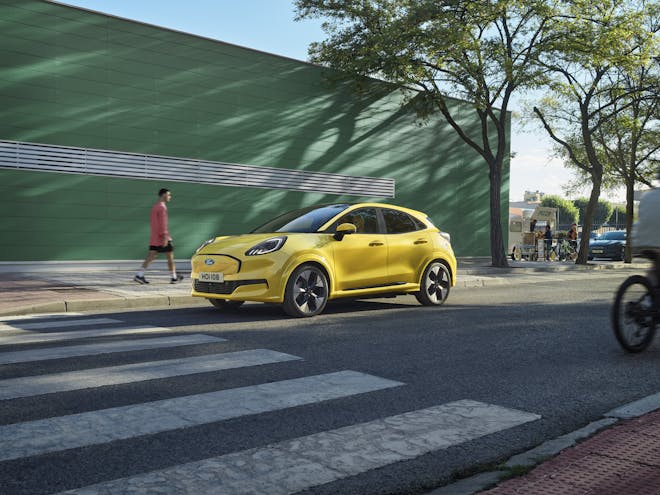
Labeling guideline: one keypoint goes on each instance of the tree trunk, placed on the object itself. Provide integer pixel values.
(588, 222)
(497, 249)
(630, 211)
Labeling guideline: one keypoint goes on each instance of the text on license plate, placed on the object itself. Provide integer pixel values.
(211, 277)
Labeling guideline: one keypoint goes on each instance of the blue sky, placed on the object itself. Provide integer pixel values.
(268, 25)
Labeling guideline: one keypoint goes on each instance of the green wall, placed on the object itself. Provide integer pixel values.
(74, 78)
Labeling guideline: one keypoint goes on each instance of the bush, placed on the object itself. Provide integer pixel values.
(603, 212)
(618, 217)
(568, 213)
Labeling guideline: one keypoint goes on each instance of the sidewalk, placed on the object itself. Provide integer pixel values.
(620, 454)
(94, 286)
(622, 460)
(616, 455)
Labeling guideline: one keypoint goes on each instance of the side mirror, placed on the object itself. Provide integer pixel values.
(344, 229)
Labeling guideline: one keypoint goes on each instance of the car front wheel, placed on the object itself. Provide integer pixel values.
(306, 292)
(436, 282)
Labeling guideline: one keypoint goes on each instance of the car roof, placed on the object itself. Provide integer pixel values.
(387, 205)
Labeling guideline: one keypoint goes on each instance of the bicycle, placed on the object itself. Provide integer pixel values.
(564, 250)
(636, 309)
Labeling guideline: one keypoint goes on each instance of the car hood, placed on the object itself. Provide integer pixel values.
(605, 243)
(235, 243)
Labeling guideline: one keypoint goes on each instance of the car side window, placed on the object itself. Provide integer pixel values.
(399, 222)
(365, 219)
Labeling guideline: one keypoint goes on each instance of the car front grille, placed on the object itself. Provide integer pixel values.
(224, 287)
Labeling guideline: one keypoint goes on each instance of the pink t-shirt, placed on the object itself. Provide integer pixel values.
(159, 224)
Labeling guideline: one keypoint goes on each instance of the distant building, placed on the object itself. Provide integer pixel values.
(533, 196)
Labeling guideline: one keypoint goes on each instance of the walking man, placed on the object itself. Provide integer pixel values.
(160, 240)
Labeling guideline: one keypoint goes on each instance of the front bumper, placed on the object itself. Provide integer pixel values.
(605, 252)
(258, 278)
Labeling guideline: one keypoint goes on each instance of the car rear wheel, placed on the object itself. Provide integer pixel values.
(225, 304)
(435, 285)
(306, 292)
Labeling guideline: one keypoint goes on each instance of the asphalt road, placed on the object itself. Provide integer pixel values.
(542, 345)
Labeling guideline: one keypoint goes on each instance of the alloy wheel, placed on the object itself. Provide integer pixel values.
(307, 292)
(436, 283)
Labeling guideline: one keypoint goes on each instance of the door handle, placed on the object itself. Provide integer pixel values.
(375, 243)
(421, 241)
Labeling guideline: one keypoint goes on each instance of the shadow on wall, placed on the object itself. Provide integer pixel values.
(80, 79)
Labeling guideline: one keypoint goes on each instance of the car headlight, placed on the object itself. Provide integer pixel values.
(204, 244)
(267, 246)
(446, 235)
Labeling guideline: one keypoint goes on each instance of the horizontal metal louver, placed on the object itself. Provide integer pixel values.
(63, 159)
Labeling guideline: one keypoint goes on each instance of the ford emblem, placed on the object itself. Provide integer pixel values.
(209, 262)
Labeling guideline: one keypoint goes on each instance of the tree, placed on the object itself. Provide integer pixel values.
(627, 144)
(479, 51)
(631, 140)
(568, 213)
(600, 38)
(601, 214)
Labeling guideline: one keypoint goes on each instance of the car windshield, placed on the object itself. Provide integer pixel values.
(307, 220)
(613, 236)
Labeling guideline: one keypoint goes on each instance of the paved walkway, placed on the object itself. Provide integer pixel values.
(622, 459)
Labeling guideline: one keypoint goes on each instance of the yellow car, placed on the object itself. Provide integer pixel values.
(304, 258)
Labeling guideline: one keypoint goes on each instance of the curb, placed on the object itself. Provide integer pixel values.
(550, 448)
(119, 303)
(469, 277)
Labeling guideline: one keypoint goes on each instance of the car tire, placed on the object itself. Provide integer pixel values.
(306, 292)
(622, 255)
(435, 285)
(225, 304)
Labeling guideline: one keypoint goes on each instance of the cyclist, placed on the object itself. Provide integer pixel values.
(646, 231)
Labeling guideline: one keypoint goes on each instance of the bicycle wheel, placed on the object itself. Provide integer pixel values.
(633, 317)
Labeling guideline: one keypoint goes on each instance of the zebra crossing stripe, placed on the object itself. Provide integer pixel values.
(37, 316)
(44, 325)
(130, 373)
(96, 427)
(105, 348)
(32, 338)
(294, 465)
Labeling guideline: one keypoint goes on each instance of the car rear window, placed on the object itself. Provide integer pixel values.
(399, 222)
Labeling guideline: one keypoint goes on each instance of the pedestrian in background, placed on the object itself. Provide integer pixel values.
(573, 236)
(160, 240)
(548, 241)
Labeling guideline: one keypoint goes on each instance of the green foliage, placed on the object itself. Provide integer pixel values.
(618, 217)
(478, 51)
(602, 214)
(568, 213)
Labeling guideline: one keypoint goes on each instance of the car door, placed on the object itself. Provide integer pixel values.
(408, 244)
(360, 258)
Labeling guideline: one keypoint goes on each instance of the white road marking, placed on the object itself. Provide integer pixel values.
(44, 325)
(105, 348)
(32, 338)
(97, 427)
(37, 316)
(294, 465)
(130, 373)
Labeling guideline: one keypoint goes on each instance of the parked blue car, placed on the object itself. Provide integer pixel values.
(610, 245)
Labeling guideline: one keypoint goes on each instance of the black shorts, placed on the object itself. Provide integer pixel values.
(163, 249)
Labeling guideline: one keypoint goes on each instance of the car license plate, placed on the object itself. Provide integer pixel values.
(211, 277)
(598, 251)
